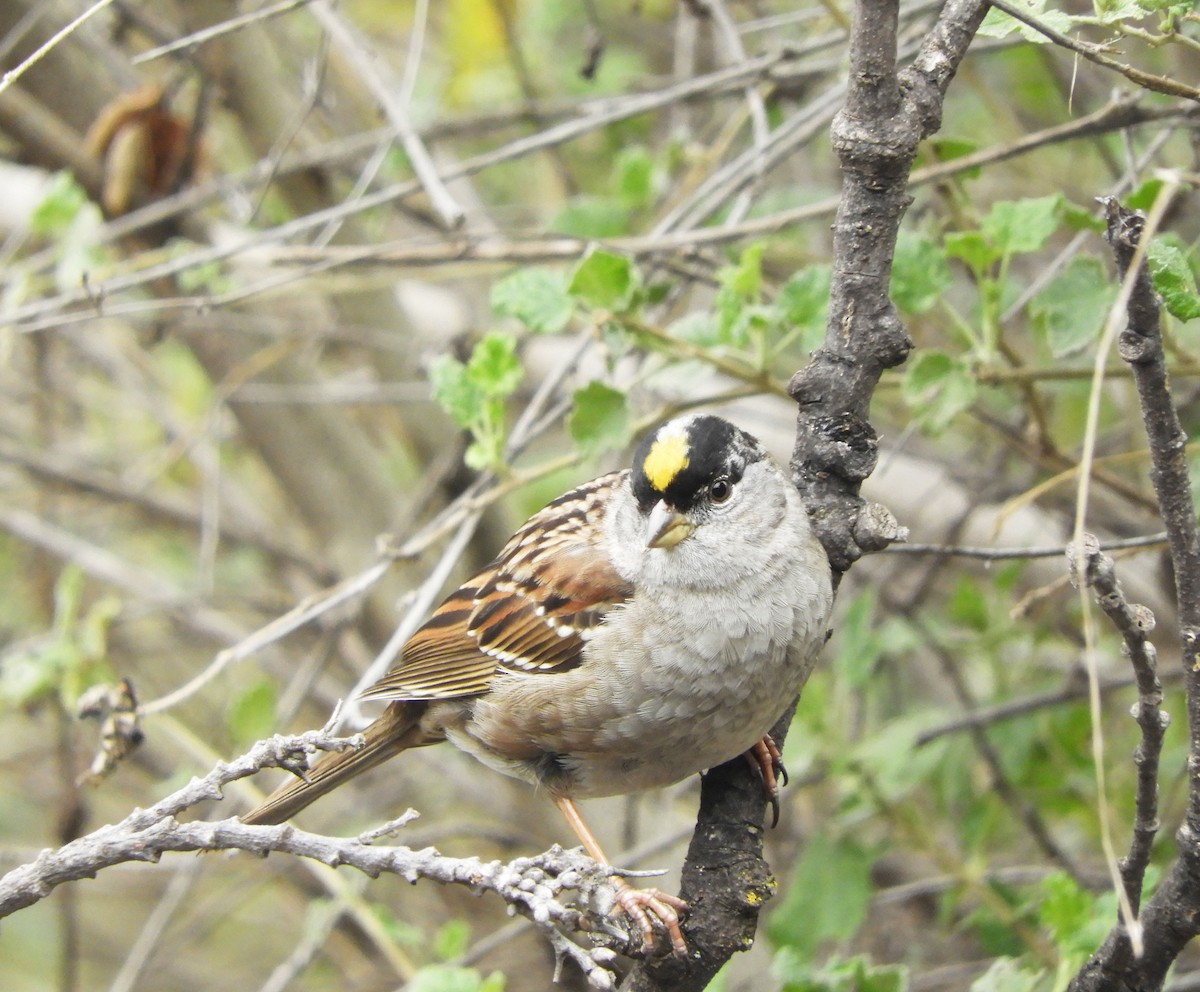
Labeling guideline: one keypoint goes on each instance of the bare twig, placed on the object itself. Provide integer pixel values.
(1170, 917)
(1134, 623)
(360, 56)
(533, 886)
(197, 38)
(12, 75)
(1095, 53)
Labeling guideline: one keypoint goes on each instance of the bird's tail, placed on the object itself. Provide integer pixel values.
(397, 729)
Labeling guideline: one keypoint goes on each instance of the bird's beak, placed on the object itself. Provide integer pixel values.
(666, 526)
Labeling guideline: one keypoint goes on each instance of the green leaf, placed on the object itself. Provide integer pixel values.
(938, 150)
(949, 149)
(604, 280)
(893, 761)
(997, 24)
(1144, 196)
(1173, 280)
(92, 636)
(592, 217)
(803, 300)
(535, 297)
(251, 715)
(452, 939)
(599, 419)
(494, 366)
(27, 677)
(453, 390)
(797, 973)
(919, 273)
(745, 278)
(840, 870)
(938, 387)
(1078, 920)
(1072, 308)
(737, 299)
(474, 394)
(59, 207)
(972, 248)
(859, 645)
(635, 177)
(447, 978)
(1020, 226)
(1111, 11)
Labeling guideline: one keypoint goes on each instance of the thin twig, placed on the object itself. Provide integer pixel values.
(1010, 554)
(198, 38)
(1094, 53)
(363, 60)
(12, 75)
(1134, 623)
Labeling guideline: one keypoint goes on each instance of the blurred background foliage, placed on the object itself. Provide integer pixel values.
(254, 316)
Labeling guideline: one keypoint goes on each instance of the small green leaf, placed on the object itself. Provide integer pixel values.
(535, 297)
(804, 299)
(1173, 280)
(1111, 11)
(453, 390)
(919, 273)
(635, 177)
(1077, 919)
(839, 869)
(599, 420)
(592, 217)
(1072, 308)
(604, 280)
(447, 978)
(1020, 226)
(27, 677)
(949, 149)
(1144, 196)
(998, 24)
(251, 715)
(938, 388)
(972, 248)
(745, 278)
(798, 973)
(59, 206)
(474, 394)
(451, 939)
(494, 366)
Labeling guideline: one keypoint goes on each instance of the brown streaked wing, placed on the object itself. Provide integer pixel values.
(531, 610)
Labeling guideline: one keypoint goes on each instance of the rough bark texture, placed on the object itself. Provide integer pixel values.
(1171, 916)
(887, 113)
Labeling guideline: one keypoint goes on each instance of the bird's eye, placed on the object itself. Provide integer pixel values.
(720, 490)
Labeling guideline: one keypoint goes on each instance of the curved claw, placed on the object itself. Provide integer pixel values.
(648, 907)
(768, 760)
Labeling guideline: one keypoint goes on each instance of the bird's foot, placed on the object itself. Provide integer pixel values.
(768, 760)
(652, 910)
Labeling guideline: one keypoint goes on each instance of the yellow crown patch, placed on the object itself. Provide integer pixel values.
(667, 458)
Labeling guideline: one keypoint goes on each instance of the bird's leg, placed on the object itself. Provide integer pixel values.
(643, 906)
(768, 760)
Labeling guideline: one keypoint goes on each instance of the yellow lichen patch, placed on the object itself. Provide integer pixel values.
(667, 458)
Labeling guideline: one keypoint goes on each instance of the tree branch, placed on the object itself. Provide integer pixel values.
(725, 879)
(535, 886)
(1172, 915)
(1134, 623)
(875, 136)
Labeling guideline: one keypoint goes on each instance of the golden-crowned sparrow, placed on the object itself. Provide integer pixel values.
(646, 626)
